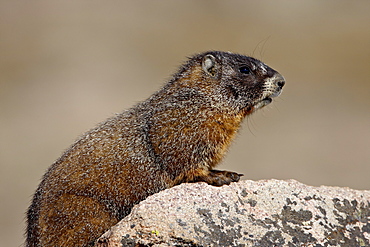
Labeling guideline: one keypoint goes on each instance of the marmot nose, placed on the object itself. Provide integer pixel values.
(281, 84)
(280, 81)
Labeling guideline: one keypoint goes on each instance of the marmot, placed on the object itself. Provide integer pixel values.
(177, 135)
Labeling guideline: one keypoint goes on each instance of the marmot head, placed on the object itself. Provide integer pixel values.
(244, 82)
(248, 82)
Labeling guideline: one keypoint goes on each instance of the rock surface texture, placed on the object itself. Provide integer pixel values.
(247, 213)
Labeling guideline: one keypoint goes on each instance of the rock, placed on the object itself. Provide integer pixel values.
(247, 213)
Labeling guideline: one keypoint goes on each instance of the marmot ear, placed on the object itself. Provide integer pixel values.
(209, 64)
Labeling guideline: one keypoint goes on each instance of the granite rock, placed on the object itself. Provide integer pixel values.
(247, 213)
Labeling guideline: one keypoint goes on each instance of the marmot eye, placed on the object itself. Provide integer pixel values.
(245, 70)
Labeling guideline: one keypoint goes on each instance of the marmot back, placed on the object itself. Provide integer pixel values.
(177, 135)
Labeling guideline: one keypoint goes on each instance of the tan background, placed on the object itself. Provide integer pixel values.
(67, 65)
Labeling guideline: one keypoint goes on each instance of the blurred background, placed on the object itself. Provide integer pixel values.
(67, 65)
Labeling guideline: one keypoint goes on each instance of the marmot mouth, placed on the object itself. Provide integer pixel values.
(268, 100)
(264, 102)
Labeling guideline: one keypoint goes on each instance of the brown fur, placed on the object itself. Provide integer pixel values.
(177, 135)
